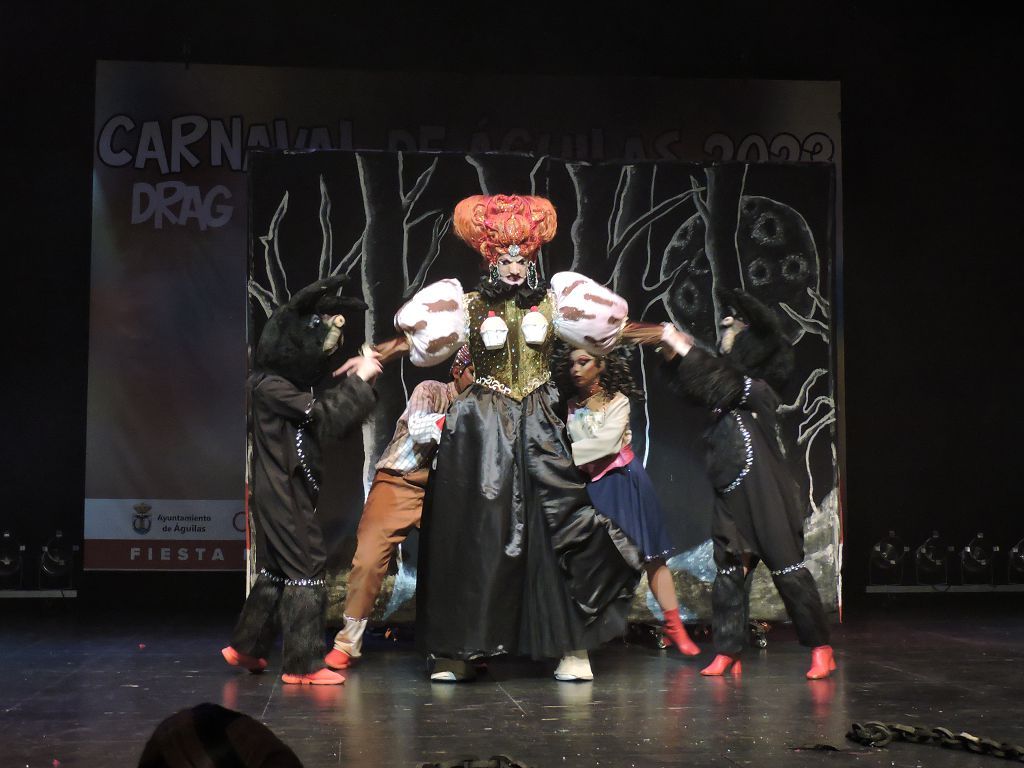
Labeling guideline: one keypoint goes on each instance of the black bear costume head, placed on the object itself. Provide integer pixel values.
(298, 339)
(761, 350)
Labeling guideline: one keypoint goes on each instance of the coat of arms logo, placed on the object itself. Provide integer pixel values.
(141, 521)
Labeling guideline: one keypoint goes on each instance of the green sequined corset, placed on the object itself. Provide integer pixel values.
(517, 368)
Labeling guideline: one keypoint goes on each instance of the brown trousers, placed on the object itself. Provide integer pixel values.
(394, 506)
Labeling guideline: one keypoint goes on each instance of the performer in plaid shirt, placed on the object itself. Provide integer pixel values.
(395, 502)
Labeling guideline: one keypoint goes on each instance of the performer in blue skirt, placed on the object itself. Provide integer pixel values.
(618, 486)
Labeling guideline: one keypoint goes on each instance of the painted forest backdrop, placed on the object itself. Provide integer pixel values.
(664, 235)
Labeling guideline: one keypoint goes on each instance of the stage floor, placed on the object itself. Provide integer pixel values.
(88, 692)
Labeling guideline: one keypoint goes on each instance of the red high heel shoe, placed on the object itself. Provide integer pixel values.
(676, 632)
(236, 659)
(823, 663)
(721, 663)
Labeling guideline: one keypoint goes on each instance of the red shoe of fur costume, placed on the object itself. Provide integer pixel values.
(721, 664)
(236, 659)
(823, 663)
(320, 677)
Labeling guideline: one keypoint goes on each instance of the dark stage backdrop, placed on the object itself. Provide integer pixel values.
(662, 234)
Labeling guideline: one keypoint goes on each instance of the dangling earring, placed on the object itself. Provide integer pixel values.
(494, 276)
(531, 276)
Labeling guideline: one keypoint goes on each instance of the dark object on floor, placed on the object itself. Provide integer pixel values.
(497, 761)
(211, 735)
(876, 734)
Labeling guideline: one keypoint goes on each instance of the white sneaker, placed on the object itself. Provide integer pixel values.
(451, 670)
(575, 665)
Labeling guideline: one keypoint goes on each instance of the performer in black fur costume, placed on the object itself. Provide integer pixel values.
(758, 514)
(288, 426)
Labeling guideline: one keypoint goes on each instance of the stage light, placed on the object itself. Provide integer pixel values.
(976, 561)
(885, 566)
(11, 561)
(931, 565)
(56, 564)
(1015, 564)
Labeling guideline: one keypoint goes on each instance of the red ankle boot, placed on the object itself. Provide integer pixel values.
(822, 663)
(721, 663)
(236, 659)
(676, 632)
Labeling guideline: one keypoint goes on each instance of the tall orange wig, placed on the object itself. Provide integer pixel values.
(496, 225)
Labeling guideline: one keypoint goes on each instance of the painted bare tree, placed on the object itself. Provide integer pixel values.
(389, 267)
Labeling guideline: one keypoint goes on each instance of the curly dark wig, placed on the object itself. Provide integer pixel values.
(616, 376)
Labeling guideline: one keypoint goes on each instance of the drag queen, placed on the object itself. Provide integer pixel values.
(619, 487)
(514, 559)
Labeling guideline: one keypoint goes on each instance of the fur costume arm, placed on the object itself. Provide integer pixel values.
(283, 398)
(704, 379)
(342, 408)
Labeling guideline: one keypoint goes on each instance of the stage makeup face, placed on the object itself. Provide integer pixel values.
(464, 379)
(584, 370)
(511, 269)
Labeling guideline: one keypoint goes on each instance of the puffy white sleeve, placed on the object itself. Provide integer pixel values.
(434, 322)
(587, 315)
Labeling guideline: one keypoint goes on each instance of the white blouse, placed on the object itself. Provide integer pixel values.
(601, 433)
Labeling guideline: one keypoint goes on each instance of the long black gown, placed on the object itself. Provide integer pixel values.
(514, 558)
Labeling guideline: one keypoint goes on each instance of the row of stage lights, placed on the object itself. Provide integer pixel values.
(978, 562)
(51, 566)
(887, 563)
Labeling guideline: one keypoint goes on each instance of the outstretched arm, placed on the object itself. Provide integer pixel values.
(694, 374)
(392, 349)
(342, 408)
(366, 366)
(647, 334)
(334, 413)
